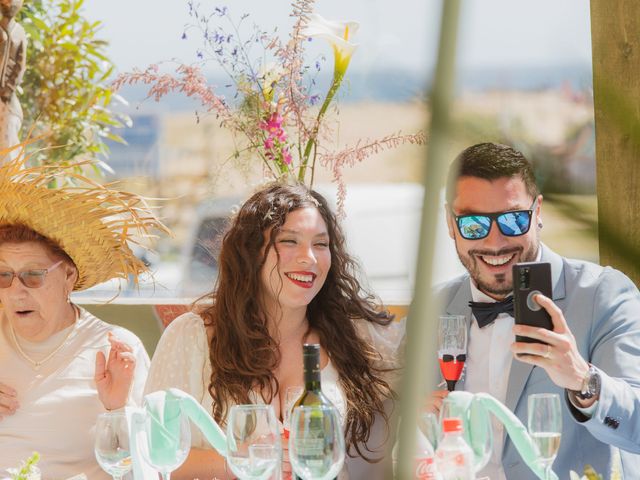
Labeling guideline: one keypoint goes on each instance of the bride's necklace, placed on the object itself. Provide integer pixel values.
(38, 363)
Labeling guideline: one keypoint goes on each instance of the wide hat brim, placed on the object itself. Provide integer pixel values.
(92, 223)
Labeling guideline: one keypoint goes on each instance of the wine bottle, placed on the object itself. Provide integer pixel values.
(312, 395)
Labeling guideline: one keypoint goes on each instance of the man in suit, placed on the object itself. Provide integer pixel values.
(592, 356)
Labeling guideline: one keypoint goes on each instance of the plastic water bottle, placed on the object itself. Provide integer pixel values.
(424, 459)
(454, 458)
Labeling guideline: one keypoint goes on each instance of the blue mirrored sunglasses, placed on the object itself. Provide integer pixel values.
(511, 224)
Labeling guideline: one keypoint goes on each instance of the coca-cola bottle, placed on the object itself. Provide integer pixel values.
(454, 457)
(424, 466)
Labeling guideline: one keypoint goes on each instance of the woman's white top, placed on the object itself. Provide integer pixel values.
(181, 360)
(59, 401)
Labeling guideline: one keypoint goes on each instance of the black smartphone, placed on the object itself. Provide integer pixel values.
(529, 279)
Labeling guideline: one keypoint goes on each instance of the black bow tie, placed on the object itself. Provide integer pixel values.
(486, 312)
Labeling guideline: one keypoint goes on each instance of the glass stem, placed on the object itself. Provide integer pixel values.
(166, 476)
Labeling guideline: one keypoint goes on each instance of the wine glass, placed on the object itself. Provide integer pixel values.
(545, 426)
(112, 444)
(316, 446)
(452, 347)
(167, 445)
(292, 394)
(430, 428)
(254, 450)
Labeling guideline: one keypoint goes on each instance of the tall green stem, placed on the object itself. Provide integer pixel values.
(335, 85)
(421, 352)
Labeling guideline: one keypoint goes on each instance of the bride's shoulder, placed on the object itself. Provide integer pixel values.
(388, 336)
(187, 323)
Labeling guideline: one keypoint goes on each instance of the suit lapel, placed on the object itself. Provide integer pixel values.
(557, 271)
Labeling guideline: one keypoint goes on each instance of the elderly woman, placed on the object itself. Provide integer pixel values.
(59, 365)
(285, 280)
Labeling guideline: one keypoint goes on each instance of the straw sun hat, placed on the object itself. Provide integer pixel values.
(92, 223)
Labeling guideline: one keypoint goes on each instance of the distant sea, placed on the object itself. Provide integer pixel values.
(387, 85)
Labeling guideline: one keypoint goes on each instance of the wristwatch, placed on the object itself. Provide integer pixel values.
(590, 385)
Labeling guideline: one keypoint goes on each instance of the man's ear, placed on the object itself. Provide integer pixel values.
(538, 211)
(450, 221)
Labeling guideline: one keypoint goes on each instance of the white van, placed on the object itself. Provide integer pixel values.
(381, 226)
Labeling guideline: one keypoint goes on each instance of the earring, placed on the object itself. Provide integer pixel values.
(539, 224)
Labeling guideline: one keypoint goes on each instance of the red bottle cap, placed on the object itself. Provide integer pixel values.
(452, 425)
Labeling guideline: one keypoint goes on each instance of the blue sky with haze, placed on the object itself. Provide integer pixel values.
(393, 33)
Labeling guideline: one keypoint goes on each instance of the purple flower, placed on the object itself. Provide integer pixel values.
(221, 11)
(184, 36)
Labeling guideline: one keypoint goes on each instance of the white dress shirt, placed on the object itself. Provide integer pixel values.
(488, 364)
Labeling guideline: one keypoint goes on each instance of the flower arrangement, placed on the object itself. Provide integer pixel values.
(27, 469)
(275, 113)
(590, 474)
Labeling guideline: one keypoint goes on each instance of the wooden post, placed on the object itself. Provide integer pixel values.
(615, 38)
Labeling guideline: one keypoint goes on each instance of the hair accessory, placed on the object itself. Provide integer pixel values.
(92, 223)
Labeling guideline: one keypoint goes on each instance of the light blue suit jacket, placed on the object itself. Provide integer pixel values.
(602, 308)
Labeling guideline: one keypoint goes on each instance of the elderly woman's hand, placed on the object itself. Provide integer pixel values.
(115, 375)
(8, 401)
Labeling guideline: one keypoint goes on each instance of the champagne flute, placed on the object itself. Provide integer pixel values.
(545, 426)
(112, 444)
(167, 448)
(254, 450)
(316, 446)
(452, 347)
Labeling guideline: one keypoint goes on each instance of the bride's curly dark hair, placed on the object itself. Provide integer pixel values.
(242, 352)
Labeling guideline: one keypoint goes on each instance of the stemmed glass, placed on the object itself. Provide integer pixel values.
(112, 444)
(452, 347)
(316, 446)
(254, 450)
(545, 426)
(165, 452)
(292, 395)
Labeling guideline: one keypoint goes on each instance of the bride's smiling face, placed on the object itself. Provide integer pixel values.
(302, 245)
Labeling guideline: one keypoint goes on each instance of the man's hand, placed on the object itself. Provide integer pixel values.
(114, 376)
(8, 400)
(434, 402)
(560, 357)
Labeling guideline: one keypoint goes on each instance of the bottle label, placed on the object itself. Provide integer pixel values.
(425, 468)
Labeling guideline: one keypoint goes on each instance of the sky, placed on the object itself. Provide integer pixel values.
(393, 33)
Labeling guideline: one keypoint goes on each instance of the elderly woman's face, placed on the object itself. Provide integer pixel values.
(21, 303)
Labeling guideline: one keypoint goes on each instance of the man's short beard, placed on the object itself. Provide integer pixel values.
(500, 285)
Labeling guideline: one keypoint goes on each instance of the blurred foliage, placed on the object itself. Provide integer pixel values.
(64, 96)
